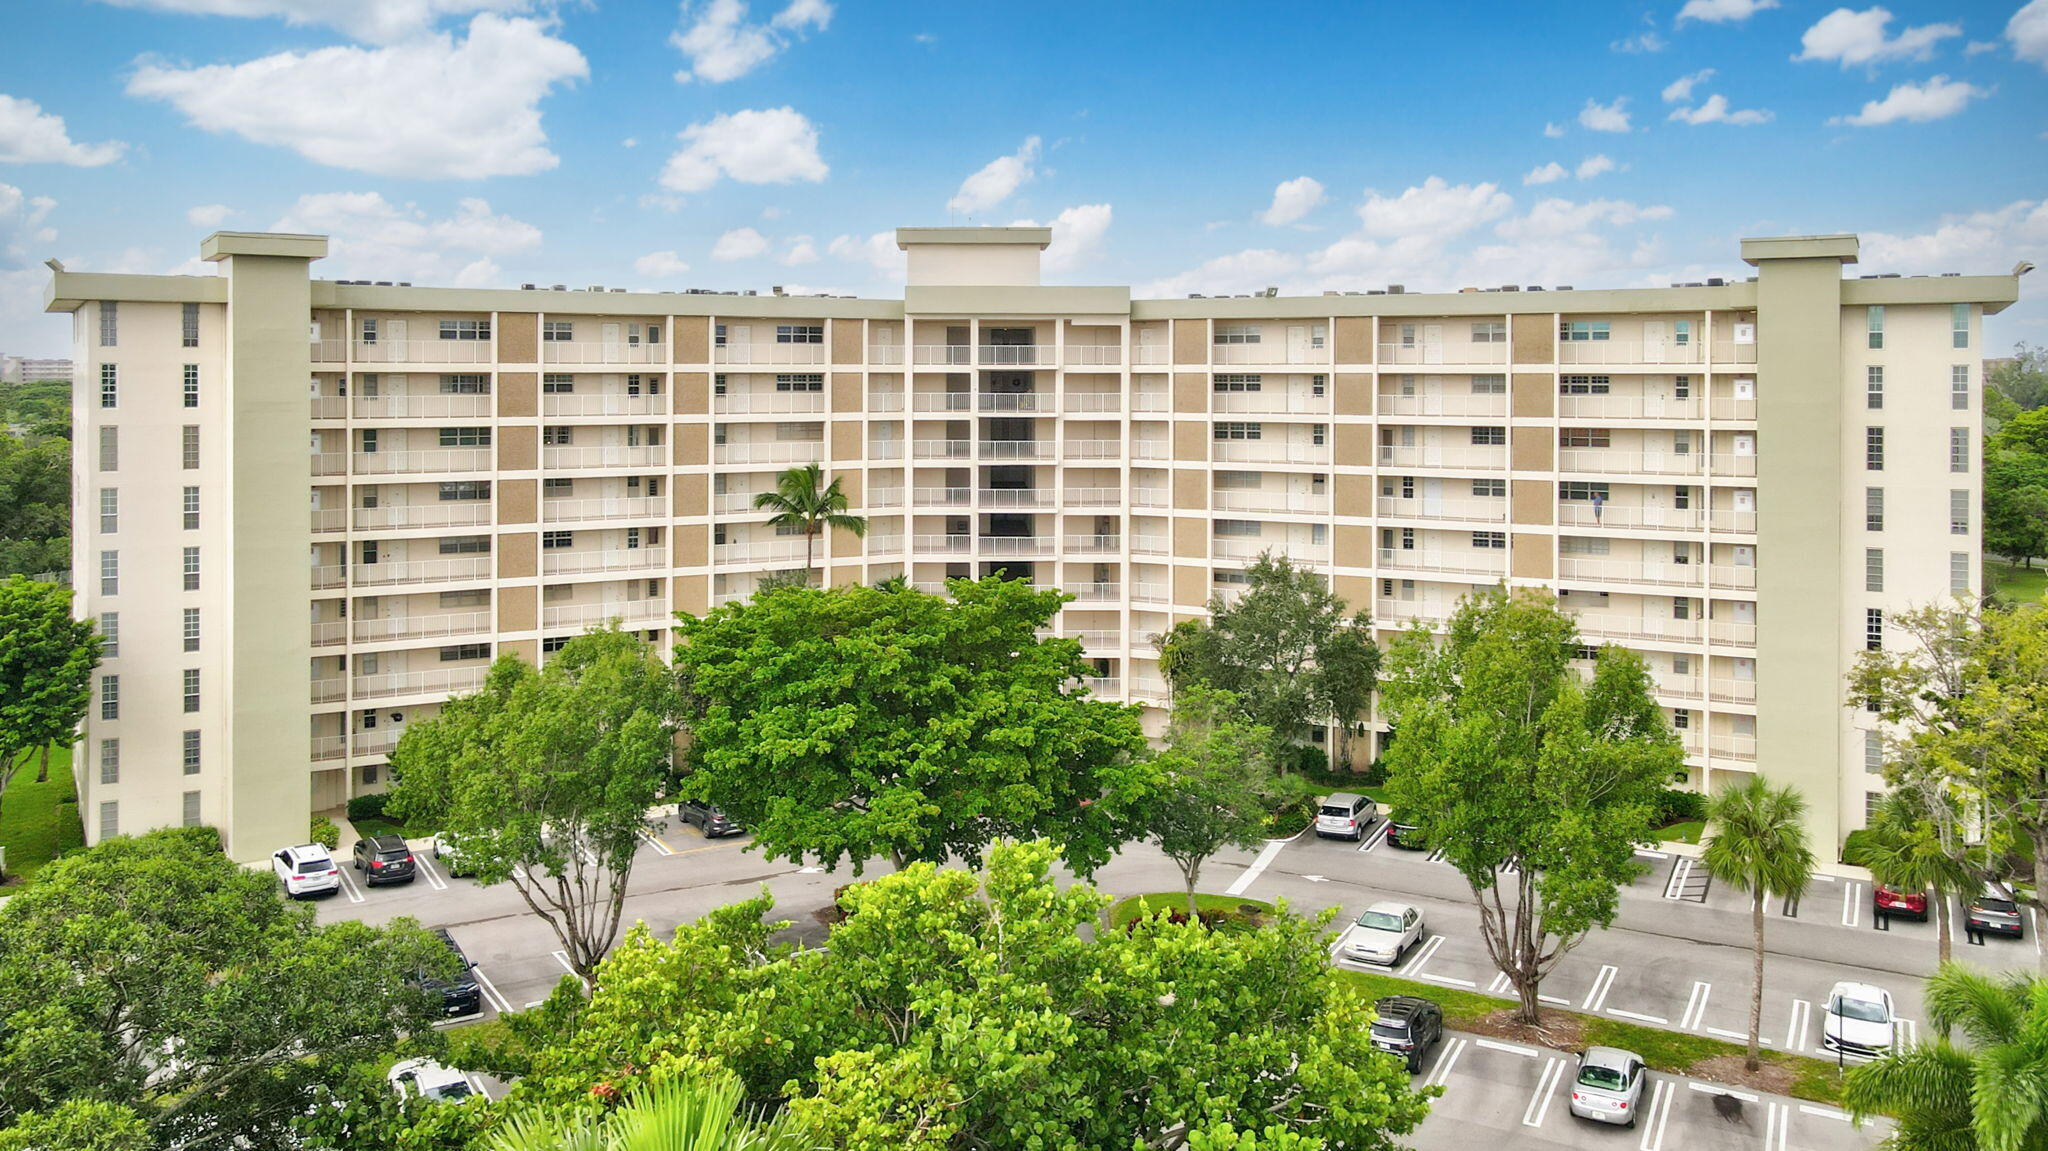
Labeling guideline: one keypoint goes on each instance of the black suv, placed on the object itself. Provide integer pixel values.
(384, 859)
(707, 818)
(1407, 1026)
(460, 995)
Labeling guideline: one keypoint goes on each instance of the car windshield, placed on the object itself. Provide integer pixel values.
(1860, 1009)
(456, 1090)
(313, 866)
(2002, 906)
(1380, 921)
(1338, 810)
(1605, 1078)
(1390, 1029)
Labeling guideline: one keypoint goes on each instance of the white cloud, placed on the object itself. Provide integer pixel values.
(1293, 199)
(720, 45)
(1605, 117)
(430, 108)
(661, 201)
(739, 244)
(1644, 41)
(878, 250)
(757, 146)
(1077, 235)
(1937, 99)
(630, 142)
(996, 180)
(660, 265)
(29, 135)
(1715, 110)
(1722, 11)
(1978, 242)
(1852, 38)
(22, 224)
(1248, 271)
(208, 215)
(381, 21)
(1432, 210)
(370, 237)
(1549, 173)
(2027, 32)
(801, 250)
(1552, 131)
(1593, 166)
(1680, 90)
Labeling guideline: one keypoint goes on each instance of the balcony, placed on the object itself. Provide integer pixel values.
(1102, 686)
(1262, 353)
(883, 400)
(1456, 404)
(881, 448)
(1016, 497)
(1266, 452)
(1729, 633)
(1732, 464)
(779, 551)
(613, 559)
(430, 406)
(382, 463)
(1093, 449)
(328, 632)
(1619, 353)
(569, 404)
(1402, 612)
(616, 507)
(942, 449)
(379, 742)
(1489, 563)
(1091, 545)
(424, 352)
(1144, 544)
(1734, 520)
(438, 682)
(1016, 546)
(1147, 497)
(1729, 352)
(1620, 627)
(1093, 593)
(581, 616)
(1611, 407)
(1149, 689)
(1150, 592)
(1469, 457)
(772, 452)
(1094, 497)
(942, 497)
(1741, 748)
(1279, 402)
(1246, 550)
(421, 626)
(448, 514)
(329, 747)
(770, 355)
(1109, 402)
(1732, 690)
(329, 690)
(1274, 503)
(1014, 356)
(330, 463)
(1016, 402)
(1150, 401)
(1432, 354)
(1732, 577)
(942, 401)
(330, 519)
(1584, 514)
(1151, 449)
(438, 570)
(330, 407)
(1016, 449)
(604, 456)
(885, 354)
(1615, 461)
(1151, 355)
(1094, 355)
(950, 543)
(1734, 408)
(1425, 508)
(885, 498)
(327, 576)
(1600, 569)
(329, 351)
(601, 352)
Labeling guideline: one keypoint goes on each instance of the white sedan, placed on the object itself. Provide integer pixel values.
(429, 1080)
(1382, 934)
(1860, 1021)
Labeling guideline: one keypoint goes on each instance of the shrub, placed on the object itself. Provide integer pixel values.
(367, 806)
(325, 833)
(1309, 760)
(1675, 805)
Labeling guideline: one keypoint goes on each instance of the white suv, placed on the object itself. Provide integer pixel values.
(306, 870)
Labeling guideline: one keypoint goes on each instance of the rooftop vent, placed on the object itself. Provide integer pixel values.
(595, 288)
(559, 288)
(1272, 292)
(777, 289)
(1396, 290)
(1564, 287)
(526, 287)
(618, 289)
(1535, 287)
(1331, 292)
(383, 283)
(1715, 282)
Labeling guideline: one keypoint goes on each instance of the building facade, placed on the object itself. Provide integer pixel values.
(308, 511)
(25, 369)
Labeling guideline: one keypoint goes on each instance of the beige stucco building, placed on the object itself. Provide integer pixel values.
(307, 510)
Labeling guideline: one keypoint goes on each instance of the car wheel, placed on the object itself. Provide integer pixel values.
(1631, 1122)
(1414, 1065)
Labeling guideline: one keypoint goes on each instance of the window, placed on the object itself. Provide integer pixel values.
(369, 331)
(465, 437)
(191, 569)
(110, 385)
(1237, 333)
(550, 540)
(191, 509)
(718, 335)
(191, 689)
(191, 753)
(191, 385)
(1873, 449)
(1873, 388)
(189, 325)
(800, 382)
(110, 323)
(1582, 331)
(1489, 539)
(110, 573)
(1873, 509)
(1873, 569)
(1873, 629)
(1583, 438)
(1585, 385)
(1959, 388)
(110, 510)
(1492, 488)
(1583, 491)
(1489, 385)
(1681, 719)
(550, 644)
(191, 810)
(1318, 434)
(110, 449)
(470, 597)
(1959, 572)
(110, 761)
(1681, 332)
(559, 486)
(799, 333)
(651, 385)
(557, 384)
(456, 653)
(1238, 529)
(1959, 325)
(557, 437)
(1490, 332)
(1239, 481)
(554, 330)
(1583, 546)
(1681, 498)
(1873, 752)
(1239, 430)
(110, 634)
(1407, 335)
(1681, 607)
(1318, 385)
(465, 329)
(1874, 324)
(1959, 449)
(1238, 382)
(465, 490)
(1489, 435)
(190, 447)
(110, 819)
(1681, 387)
(1959, 512)
(465, 545)
(110, 697)
(466, 384)
(191, 629)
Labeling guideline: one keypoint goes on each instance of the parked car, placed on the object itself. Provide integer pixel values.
(1345, 814)
(707, 818)
(305, 870)
(1609, 1085)
(1860, 1020)
(1406, 836)
(1993, 914)
(1887, 902)
(460, 995)
(1383, 933)
(1408, 1026)
(384, 859)
(429, 1080)
(451, 857)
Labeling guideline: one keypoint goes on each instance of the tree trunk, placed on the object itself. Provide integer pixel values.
(1756, 997)
(1193, 874)
(1941, 925)
(810, 543)
(1531, 1011)
(2040, 874)
(43, 767)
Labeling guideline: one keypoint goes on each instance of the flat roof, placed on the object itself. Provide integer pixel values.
(1037, 237)
(1839, 246)
(221, 245)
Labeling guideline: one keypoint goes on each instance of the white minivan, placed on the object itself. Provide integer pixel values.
(1345, 815)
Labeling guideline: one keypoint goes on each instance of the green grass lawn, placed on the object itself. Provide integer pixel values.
(383, 825)
(2017, 584)
(1129, 908)
(1688, 832)
(39, 822)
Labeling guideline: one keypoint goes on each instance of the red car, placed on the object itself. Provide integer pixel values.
(1885, 901)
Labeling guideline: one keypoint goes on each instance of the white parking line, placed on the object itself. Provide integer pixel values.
(1777, 1126)
(562, 957)
(1680, 872)
(1546, 1084)
(1852, 907)
(1441, 1074)
(1266, 856)
(1823, 1112)
(1724, 1033)
(1717, 1089)
(1695, 1007)
(1795, 1033)
(433, 876)
(1639, 1017)
(1379, 833)
(1447, 980)
(1510, 1048)
(1597, 994)
(1661, 1094)
(491, 992)
(1646, 853)
(648, 838)
(348, 885)
(1428, 952)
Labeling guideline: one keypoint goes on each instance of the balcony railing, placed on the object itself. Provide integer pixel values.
(1400, 612)
(949, 543)
(1301, 551)
(1149, 592)
(1094, 402)
(1016, 497)
(1091, 545)
(1015, 356)
(329, 351)
(1093, 449)
(1732, 408)
(1601, 569)
(1585, 514)
(935, 497)
(424, 352)
(1610, 461)
(1481, 562)
(1730, 352)
(1151, 449)
(327, 632)
(616, 559)
(330, 519)
(1425, 508)
(885, 449)
(1278, 503)
(325, 576)
(1732, 464)
(430, 406)
(1094, 355)
(1150, 401)
(942, 401)
(1087, 593)
(1015, 546)
(1016, 402)
(759, 551)
(1445, 404)
(1605, 626)
(1734, 520)
(382, 463)
(329, 689)
(1466, 456)
(1143, 544)
(1093, 497)
(330, 407)
(1729, 633)
(1611, 407)
(1151, 355)
(604, 456)
(1627, 352)
(1148, 498)
(1263, 353)
(329, 747)
(882, 400)
(437, 570)
(1732, 690)
(1269, 452)
(445, 681)
(774, 355)
(601, 352)
(1016, 449)
(1279, 402)
(885, 498)
(885, 354)
(449, 514)
(605, 508)
(563, 404)
(421, 626)
(1425, 353)
(942, 449)
(330, 463)
(630, 613)
(1736, 747)
(773, 452)
(1734, 577)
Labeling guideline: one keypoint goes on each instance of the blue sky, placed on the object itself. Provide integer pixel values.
(1174, 147)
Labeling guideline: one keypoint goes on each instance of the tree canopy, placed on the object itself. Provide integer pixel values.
(1214, 780)
(857, 722)
(35, 498)
(46, 663)
(2016, 488)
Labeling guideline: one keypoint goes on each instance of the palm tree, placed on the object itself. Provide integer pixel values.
(1905, 852)
(1991, 1094)
(1757, 843)
(695, 1113)
(803, 500)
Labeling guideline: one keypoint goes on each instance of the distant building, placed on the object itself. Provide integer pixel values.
(21, 369)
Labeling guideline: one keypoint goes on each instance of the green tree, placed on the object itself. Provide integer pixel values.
(1284, 649)
(1965, 700)
(157, 975)
(1756, 843)
(988, 1011)
(697, 1113)
(543, 779)
(46, 662)
(803, 501)
(1535, 783)
(78, 1125)
(1911, 848)
(2016, 488)
(35, 504)
(1990, 1092)
(1214, 777)
(2024, 377)
(858, 722)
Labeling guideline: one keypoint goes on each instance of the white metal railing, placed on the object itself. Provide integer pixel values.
(1450, 353)
(1094, 355)
(1732, 408)
(1093, 497)
(1015, 356)
(1150, 401)
(881, 449)
(1087, 592)
(561, 404)
(734, 503)
(1586, 514)
(603, 456)
(325, 576)
(957, 355)
(1418, 559)
(438, 682)
(769, 354)
(424, 352)
(1148, 498)
(420, 626)
(1617, 352)
(889, 544)
(328, 690)
(1148, 449)
(1606, 569)
(330, 519)
(449, 514)
(885, 498)
(1732, 690)
(329, 631)
(329, 351)
(1279, 402)
(1016, 497)
(330, 463)
(585, 615)
(1147, 591)
(885, 401)
(772, 452)
(1399, 612)
(942, 449)
(1637, 407)
(1733, 464)
(1151, 355)
(1301, 551)
(1015, 546)
(330, 407)
(603, 508)
(1091, 544)
(1604, 626)
(790, 550)
(1149, 689)
(1444, 404)
(1734, 520)
(942, 497)
(1730, 633)
(1297, 503)
(1016, 402)
(1093, 449)
(441, 568)
(942, 401)
(885, 353)
(1106, 686)
(378, 742)
(947, 543)
(1094, 402)
(329, 747)
(428, 406)
(601, 352)
(1736, 577)
(1424, 508)
(382, 463)
(1739, 747)
(1677, 686)
(1016, 449)
(1608, 461)
(1443, 456)
(1150, 545)
(616, 559)
(1734, 353)
(1264, 353)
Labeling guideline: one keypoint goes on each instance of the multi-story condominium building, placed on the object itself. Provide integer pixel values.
(23, 369)
(298, 544)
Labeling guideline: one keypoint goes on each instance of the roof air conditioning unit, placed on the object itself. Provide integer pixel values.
(1396, 290)
(558, 288)
(526, 287)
